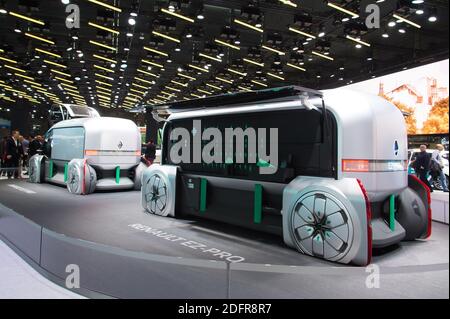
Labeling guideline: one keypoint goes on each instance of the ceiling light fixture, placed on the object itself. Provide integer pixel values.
(59, 72)
(204, 91)
(17, 15)
(407, 21)
(153, 63)
(14, 68)
(358, 41)
(95, 25)
(8, 60)
(302, 32)
(296, 67)
(187, 76)
(214, 87)
(335, 6)
(275, 76)
(245, 24)
(55, 64)
(259, 83)
(38, 38)
(254, 62)
(143, 80)
(173, 89)
(106, 5)
(237, 72)
(103, 58)
(162, 35)
(210, 57)
(179, 83)
(140, 86)
(103, 83)
(224, 80)
(24, 76)
(148, 73)
(156, 51)
(178, 15)
(103, 45)
(198, 68)
(103, 68)
(273, 50)
(63, 80)
(227, 44)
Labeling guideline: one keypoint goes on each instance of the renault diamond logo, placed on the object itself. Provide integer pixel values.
(120, 145)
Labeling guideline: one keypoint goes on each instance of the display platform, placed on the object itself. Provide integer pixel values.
(123, 252)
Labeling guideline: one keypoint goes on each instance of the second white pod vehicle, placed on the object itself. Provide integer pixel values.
(88, 154)
(340, 188)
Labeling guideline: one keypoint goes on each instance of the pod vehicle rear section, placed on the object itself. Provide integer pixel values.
(338, 188)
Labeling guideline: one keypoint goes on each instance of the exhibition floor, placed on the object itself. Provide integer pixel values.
(126, 253)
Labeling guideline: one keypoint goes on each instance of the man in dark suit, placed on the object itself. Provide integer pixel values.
(13, 153)
(422, 165)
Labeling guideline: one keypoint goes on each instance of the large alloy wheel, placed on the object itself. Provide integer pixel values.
(35, 169)
(321, 226)
(156, 195)
(81, 177)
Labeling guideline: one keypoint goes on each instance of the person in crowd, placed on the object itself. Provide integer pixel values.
(3, 156)
(13, 154)
(25, 142)
(150, 153)
(422, 165)
(35, 145)
(438, 166)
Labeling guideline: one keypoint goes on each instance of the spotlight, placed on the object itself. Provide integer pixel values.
(432, 17)
(402, 31)
(65, 1)
(131, 21)
(392, 24)
(420, 12)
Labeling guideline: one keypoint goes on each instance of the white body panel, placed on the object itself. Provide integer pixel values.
(116, 141)
(368, 127)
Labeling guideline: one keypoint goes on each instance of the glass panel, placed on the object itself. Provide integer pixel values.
(67, 143)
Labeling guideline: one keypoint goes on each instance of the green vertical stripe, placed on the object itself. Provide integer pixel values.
(66, 172)
(118, 175)
(257, 210)
(50, 169)
(203, 193)
(392, 212)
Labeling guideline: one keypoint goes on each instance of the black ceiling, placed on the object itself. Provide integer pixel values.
(141, 82)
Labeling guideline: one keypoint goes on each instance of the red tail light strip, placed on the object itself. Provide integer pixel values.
(369, 222)
(430, 212)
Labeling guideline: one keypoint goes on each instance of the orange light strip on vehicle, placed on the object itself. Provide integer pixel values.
(357, 166)
(91, 153)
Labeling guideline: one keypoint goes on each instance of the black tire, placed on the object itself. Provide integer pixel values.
(36, 169)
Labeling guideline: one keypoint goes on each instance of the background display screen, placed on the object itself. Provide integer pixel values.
(67, 143)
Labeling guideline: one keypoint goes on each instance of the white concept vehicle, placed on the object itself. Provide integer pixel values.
(64, 112)
(340, 186)
(88, 154)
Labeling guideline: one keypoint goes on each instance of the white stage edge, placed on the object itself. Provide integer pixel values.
(439, 205)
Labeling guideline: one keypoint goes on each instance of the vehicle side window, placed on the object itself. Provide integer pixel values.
(47, 148)
(65, 114)
(56, 114)
(67, 143)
